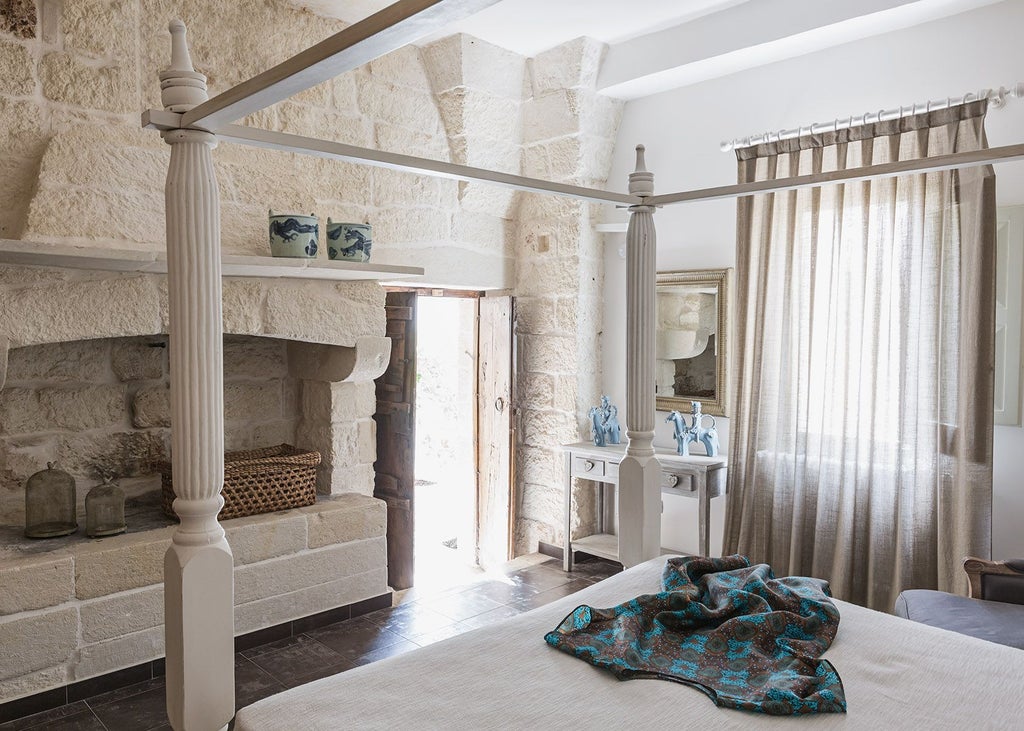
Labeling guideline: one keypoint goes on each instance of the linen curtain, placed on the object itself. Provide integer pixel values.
(862, 438)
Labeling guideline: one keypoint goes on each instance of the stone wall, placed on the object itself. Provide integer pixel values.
(105, 403)
(76, 168)
(97, 606)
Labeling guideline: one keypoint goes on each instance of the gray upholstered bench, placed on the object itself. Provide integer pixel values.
(995, 611)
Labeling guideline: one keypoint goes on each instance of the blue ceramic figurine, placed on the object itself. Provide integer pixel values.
(694, 432)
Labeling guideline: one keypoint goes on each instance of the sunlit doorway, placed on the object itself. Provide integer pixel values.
(446, 377)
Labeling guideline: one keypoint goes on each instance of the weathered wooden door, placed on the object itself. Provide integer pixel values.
(496, 423)
(396, 436)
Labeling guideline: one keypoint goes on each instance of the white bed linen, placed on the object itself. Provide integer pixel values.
(897, 674)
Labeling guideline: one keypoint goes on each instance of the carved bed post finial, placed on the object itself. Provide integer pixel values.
(198, 567)
(181, 86)
(639, 471)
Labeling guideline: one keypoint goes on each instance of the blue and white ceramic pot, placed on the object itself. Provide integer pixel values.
(294, 235)
(349, 241)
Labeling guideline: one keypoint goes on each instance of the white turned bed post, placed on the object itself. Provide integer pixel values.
(198, 578)
(639, 472)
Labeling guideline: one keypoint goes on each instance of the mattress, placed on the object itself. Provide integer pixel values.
(896, 673)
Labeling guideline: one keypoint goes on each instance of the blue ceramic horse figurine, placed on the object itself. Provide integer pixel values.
(597, 432)
(610, 421)
(694, 432)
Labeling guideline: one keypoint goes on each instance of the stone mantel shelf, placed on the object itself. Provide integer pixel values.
(31, 253)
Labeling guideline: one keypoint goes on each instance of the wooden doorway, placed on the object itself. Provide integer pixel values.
(485, 425)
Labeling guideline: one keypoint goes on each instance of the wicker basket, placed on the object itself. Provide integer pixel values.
(258, 481)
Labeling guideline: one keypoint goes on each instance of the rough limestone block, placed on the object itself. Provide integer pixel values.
(152, 407)
(304, 602)
(122, 614)
(127, 453)
(403, 67)
(479, 114)
(344, 518)
(551, 115)
(542, 428)
(16, 67)
(69, 80)
(136, 359)
(536, 390)
(334, 363)
(395, 188)
(139, 216)
(33, 683)
(120, 563)
(246, 401)
(542, 466)
(274, 432)
(549, 354)
(405, 141)
(302, 570)
(544, 502)
(302, 119)
(366, 443)
(317, 314)
(343, 480)
(565, 392)
(386, 102)
(118, 653)
(86, 27)
(399, 225)
(462, 60)
(338, 402)
(20, 412)
(254, 357)
(530, 533)
(78, 409)
(473, 228)
(242, 304)
(22, 126)
(536, 315)
(18, 18)
(260, 537)
(551, 276)
(38, 641)
(87, 156)
(572, 64)
(36, 582)
(33, 316)
(82, 360)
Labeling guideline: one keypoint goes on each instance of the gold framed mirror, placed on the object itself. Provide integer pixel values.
(691, 340)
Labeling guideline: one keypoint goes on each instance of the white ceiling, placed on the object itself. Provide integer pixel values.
(655, 45)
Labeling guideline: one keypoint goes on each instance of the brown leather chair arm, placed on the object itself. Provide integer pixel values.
(1001, 581)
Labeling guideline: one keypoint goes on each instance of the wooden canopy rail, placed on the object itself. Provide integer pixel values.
(198, 573)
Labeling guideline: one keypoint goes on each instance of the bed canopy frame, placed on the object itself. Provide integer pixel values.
(198, 579)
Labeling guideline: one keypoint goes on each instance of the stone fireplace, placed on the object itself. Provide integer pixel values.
(84, 382)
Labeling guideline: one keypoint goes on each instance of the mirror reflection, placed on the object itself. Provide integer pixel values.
(690, 340)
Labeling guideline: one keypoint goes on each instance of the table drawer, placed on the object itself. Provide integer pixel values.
(678, 484)
(587, 467)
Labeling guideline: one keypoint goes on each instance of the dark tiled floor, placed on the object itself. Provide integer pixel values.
(421, 618)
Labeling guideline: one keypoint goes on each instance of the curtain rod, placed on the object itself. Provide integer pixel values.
(997, 99)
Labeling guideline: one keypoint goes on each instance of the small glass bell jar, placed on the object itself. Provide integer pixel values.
(50, 503)
(104, 509)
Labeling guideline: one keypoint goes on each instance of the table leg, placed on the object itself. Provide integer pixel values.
(567, 548)
(704, 514)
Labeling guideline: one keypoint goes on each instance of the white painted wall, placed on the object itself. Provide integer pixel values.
(682, 130)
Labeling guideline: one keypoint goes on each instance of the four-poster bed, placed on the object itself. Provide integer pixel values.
(198, 566)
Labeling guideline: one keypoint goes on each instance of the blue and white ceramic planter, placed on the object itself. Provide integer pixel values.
(293, 235)
(349, 241)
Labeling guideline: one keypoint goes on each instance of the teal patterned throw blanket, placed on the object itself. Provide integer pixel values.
(748, 640)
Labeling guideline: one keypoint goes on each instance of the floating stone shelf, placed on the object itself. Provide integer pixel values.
(30, 253)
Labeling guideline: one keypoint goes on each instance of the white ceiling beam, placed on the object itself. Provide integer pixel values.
(755, 34)
(383, 32)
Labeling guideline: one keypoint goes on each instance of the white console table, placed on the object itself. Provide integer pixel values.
(694, 476)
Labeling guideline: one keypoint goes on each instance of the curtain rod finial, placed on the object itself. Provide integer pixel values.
(641, 182)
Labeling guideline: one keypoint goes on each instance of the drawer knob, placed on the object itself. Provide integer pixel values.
(588, 465)
(670, 480)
